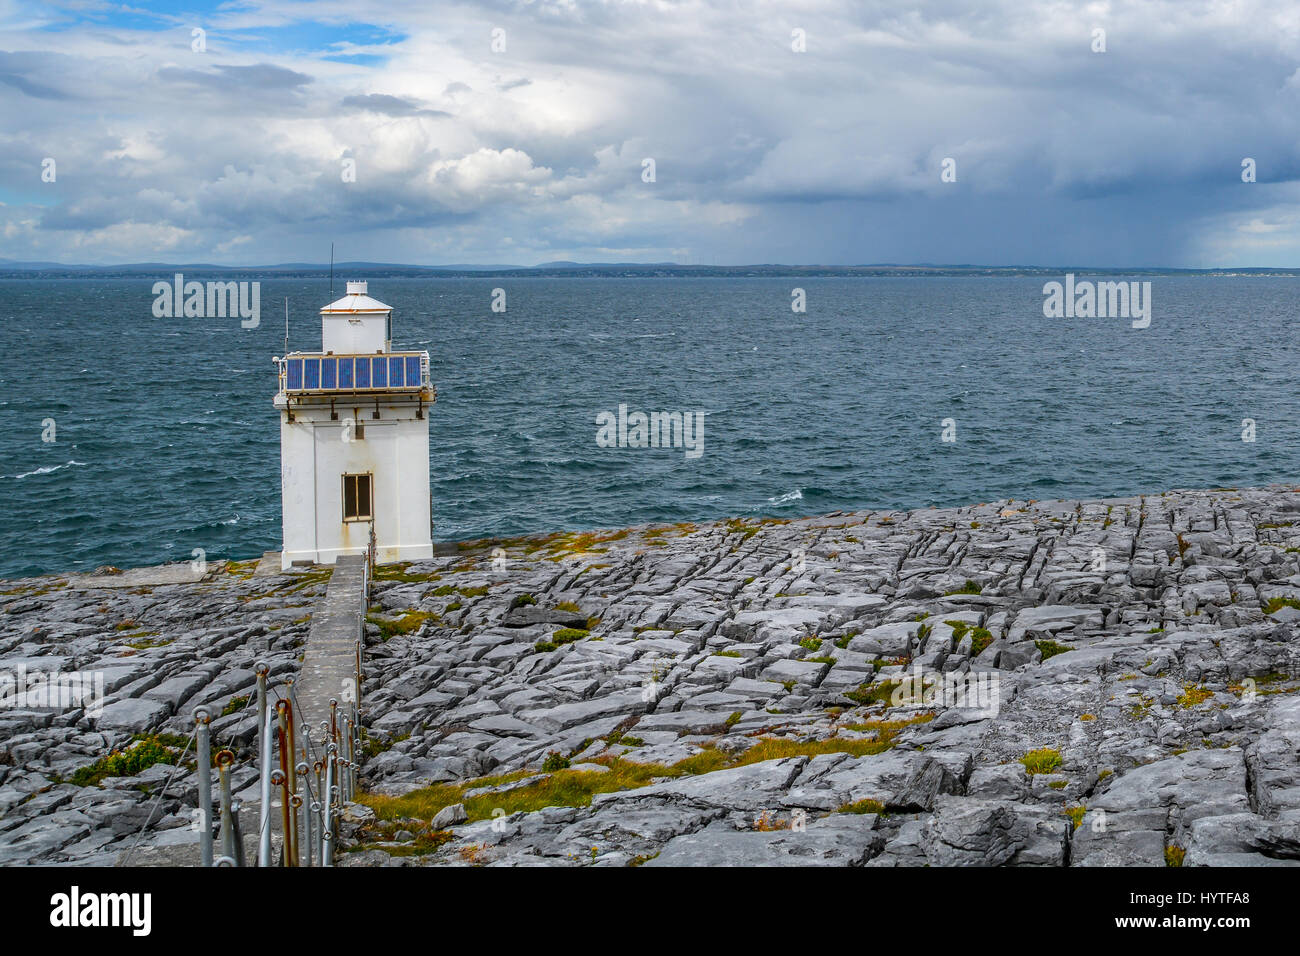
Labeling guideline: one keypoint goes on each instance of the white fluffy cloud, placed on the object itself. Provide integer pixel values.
(462, 153)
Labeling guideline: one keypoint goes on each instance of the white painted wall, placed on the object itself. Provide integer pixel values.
(354, 334)
(313, 459)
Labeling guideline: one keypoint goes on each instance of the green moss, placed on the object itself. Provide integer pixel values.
(554, 761)
(147, 642)
(970, 587)
(737, 526)
(398, 572)
(1194, 694)
(874, 693)
(567, 635)
(137, 758)
(862, 806)
(1043, 760)
(235, 705)
(726, 653)
(810, 643)
(568, 606)
(408, 622)
(1076, 814)
(1174, 855)
(373, 746)
(575, 788)
(981, 638)
(1276, 604)
(379, 836)
(733, 719)
(1051, 648)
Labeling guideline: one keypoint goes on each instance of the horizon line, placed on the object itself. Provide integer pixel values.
(16, 265)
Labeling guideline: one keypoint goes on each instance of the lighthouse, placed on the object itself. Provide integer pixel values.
(354, 440)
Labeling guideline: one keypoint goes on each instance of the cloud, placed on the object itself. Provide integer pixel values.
(240, 153)
(388, 105)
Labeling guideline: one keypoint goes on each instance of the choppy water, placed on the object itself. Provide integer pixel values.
(166, 439)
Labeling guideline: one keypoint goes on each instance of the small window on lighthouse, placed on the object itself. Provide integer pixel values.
(358, 505)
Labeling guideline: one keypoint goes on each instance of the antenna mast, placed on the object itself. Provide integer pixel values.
(286, 325)
(331, 272)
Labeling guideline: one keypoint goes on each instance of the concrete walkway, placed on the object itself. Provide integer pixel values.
(330, 663)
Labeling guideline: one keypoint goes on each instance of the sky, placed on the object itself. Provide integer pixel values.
(511, 132)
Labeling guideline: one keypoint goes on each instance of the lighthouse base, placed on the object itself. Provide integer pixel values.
(390, 555)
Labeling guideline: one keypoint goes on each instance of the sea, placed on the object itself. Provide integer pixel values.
(128, 439)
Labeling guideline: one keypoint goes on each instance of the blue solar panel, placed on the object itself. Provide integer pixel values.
(330, 373)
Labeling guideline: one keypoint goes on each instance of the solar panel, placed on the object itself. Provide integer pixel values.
(352, 373)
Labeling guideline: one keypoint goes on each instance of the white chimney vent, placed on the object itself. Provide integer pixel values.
(357, 288)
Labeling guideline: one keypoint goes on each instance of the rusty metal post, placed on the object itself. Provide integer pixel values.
(334, 719)
(286, 811)
(204, 756)
(290, 767)
(224, 759)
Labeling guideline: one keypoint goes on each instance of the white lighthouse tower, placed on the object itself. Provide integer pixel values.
(354, 440)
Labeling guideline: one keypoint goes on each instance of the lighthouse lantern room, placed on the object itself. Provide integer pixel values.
(354, 440)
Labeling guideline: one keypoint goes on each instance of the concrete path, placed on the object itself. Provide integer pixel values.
(329, 665)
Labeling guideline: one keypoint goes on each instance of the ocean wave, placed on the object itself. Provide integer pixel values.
(44, 470)
(796, 495)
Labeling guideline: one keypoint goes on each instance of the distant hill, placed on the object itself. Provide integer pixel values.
(12, 268)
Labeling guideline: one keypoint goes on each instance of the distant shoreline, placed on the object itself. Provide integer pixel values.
(50, 270)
